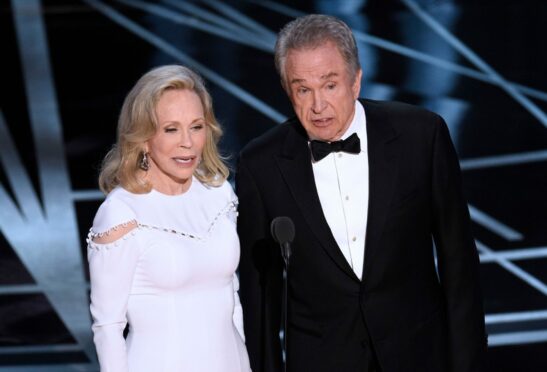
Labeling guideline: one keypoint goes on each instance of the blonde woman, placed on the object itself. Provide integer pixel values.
(163, 248)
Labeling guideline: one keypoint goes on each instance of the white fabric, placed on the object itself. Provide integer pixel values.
(172, 278)
(343, 187)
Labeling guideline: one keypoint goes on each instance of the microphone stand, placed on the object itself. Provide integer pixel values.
(282, 230)
(285, 253)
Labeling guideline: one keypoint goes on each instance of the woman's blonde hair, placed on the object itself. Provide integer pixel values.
(138, 123)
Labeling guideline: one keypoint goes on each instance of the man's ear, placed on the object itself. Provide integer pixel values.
(356, 87)
(287, 90)
(284, 86)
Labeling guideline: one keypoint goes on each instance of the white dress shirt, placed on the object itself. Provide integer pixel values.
(343, 187)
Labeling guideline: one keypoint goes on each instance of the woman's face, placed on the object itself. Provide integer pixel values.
(176, 148)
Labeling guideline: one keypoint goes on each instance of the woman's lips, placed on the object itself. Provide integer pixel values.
(184, 160)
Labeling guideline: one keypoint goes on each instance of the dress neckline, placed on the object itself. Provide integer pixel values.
(153, 191)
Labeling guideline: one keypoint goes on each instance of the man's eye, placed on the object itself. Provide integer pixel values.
(302, 90)
(331, 86)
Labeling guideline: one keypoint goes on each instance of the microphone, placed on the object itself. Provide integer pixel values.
(282, 229)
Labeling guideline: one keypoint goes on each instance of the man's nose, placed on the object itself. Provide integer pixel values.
(318, 104)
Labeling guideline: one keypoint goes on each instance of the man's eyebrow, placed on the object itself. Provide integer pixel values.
(323, 77)
(329, 75)
(297, 81)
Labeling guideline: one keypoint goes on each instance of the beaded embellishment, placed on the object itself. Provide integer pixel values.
(231, 207)
(115, 228)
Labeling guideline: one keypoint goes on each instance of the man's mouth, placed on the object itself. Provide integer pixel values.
(323, 122)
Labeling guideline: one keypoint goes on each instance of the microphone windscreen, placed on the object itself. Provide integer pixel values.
(282, 229)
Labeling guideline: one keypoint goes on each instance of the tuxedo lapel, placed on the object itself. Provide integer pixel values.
(295, 166)
(382, 158)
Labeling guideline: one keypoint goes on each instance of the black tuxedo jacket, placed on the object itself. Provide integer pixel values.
(403, 315)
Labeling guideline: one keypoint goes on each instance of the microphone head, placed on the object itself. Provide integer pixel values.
(282, 229)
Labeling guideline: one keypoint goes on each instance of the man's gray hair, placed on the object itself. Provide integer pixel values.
(312, 31)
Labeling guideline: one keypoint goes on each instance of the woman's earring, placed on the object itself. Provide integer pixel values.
(144, 164)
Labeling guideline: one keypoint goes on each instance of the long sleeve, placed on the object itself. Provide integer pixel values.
(238, 311)
(457, 259)
(111, 270)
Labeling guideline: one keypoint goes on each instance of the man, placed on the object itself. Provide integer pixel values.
(364, 294)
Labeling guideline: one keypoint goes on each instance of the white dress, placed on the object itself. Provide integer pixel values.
(172, 278)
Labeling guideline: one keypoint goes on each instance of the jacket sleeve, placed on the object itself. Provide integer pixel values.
(458, 262)
(260, 276)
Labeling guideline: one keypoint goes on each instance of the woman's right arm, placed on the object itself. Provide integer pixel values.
(112, 255)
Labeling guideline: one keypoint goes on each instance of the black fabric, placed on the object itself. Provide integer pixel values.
(320, 149)
(402, 316)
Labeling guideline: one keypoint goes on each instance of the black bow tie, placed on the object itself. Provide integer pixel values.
(320, 149)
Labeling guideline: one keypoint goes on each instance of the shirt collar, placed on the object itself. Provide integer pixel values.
(358, 125)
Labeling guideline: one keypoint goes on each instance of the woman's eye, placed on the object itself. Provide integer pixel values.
(197, 127)
(170, 130)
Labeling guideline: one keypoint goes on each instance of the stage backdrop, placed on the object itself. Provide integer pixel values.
(67, 65)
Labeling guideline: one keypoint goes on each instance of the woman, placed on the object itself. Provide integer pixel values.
(163, 248)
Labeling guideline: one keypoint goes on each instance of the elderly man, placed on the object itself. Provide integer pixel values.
(369, 185)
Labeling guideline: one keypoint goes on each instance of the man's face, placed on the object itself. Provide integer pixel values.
(321, 90)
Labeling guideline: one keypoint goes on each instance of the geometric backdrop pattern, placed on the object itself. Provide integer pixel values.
(67, 65)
